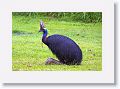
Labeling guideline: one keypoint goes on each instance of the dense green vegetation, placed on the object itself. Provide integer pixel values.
(29, 53)
(86, 17)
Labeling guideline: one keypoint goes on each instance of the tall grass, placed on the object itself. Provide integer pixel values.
(86, 17)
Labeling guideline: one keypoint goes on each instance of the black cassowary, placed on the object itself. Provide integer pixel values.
(65, 49)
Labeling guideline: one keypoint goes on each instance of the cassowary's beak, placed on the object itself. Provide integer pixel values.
(40, 30)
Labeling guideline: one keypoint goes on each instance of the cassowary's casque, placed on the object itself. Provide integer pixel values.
(65, 49)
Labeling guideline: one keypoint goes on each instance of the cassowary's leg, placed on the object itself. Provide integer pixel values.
(50, 61)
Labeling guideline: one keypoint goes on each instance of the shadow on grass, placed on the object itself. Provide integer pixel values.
(18, 33)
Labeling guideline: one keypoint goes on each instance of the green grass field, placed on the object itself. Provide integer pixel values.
(30, 54)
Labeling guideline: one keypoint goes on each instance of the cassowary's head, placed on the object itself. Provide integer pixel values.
(42, 27)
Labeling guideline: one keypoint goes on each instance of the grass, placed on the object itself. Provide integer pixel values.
(30, 54)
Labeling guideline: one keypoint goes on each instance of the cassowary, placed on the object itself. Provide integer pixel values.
(65, 49)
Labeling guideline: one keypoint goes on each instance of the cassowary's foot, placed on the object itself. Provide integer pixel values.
(50, 61)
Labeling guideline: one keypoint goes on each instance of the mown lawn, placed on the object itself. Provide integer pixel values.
(30, 54)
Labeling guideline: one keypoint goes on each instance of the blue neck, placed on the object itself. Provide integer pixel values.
(44, 35)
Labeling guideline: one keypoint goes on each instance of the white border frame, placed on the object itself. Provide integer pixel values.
(104, 76)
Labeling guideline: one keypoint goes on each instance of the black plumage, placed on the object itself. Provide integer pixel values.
(65, 49)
